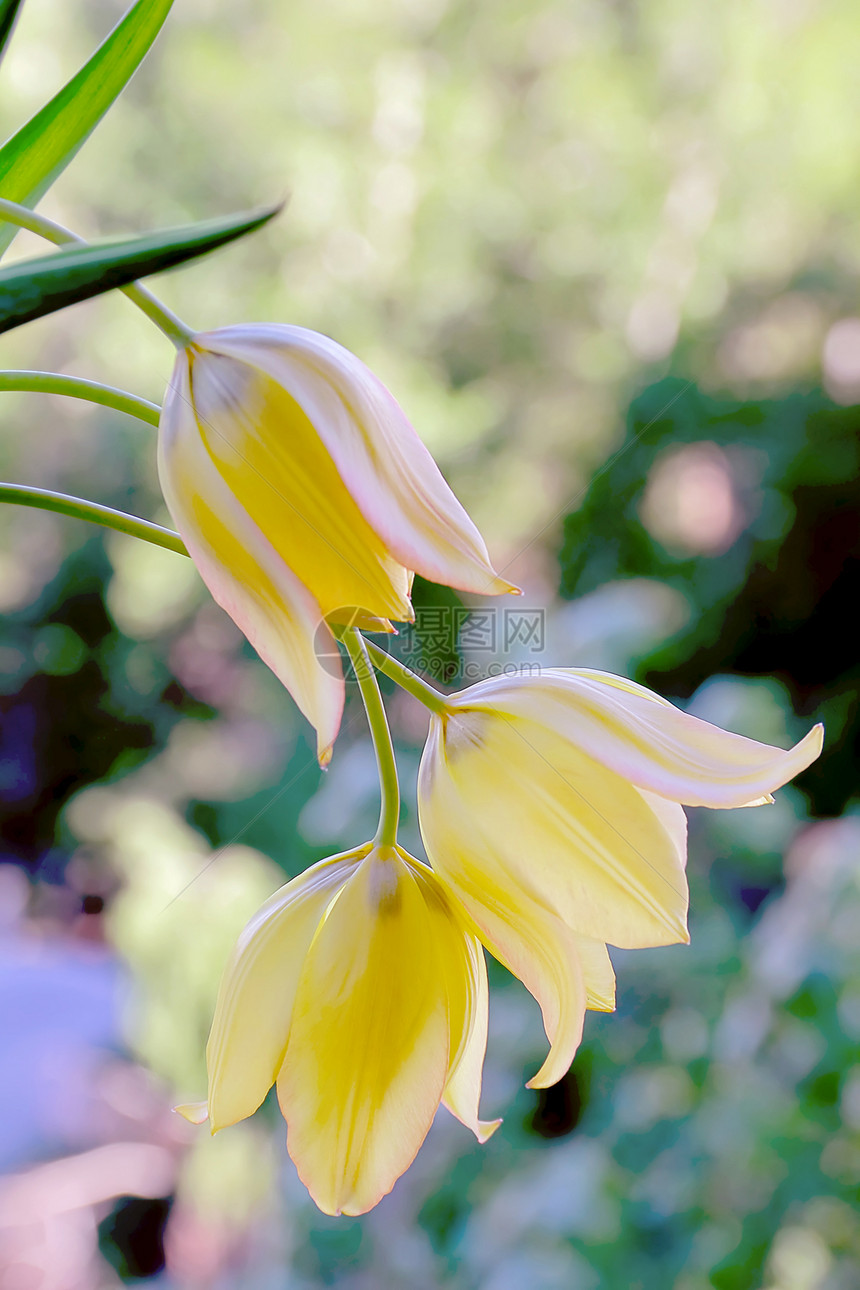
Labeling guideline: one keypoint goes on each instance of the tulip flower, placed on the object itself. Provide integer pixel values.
(302, 492)
(551, 806)
(361, 991)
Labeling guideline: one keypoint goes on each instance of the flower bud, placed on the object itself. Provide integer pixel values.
(301, 491)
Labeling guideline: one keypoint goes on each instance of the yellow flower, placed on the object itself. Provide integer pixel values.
(360, 990)
(551, 807)
(301, 490)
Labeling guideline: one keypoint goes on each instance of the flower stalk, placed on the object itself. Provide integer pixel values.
(389, 788)
(177, 332)
(403, 676)
(79, 508)
(76, 387)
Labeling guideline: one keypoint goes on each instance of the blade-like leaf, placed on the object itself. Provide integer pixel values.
(8, 14)
(31, 160)
(31, 288)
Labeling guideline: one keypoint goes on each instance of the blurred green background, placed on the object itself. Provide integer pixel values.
(606, 255)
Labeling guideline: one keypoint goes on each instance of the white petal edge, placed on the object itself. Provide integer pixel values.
(646, 739)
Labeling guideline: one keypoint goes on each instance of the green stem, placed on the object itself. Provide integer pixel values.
(165, 319)
(421, 690)
(77, 388)
(45, 500)
(389, 810)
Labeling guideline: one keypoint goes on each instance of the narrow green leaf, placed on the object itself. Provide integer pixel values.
(31, 288)
(33, 158)
(8, 14)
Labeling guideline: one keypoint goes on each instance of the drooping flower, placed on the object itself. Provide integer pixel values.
(301, 491)
(551, 806)
(360, 990)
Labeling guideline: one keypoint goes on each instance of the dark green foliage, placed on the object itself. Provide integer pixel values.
(8, 16)
(779, 601)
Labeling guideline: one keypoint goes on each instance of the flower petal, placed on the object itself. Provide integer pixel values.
(244, 573)
(516, 926)
(275, 463)
(465, 972)
(645, 739)
(598, 974)
(193, 1112)
(255, 1000)
(580, 838)
(367, 1056)
(387, 469)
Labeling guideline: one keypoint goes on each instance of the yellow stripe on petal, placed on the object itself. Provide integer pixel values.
(577, 836)
(386, 468)
(274, 462)
(244, 573)
(367, 1057)
(255, 1000)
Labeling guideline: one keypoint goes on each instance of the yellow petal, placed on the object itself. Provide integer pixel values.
(537, 948)
(367, 1056)
(193, 1112)
(394, 480)
(645, 739)
(274, 462)
(516, 926)
(465, 972)
(597, 973)
(255, 1000)
(582, 840)
(243, 571)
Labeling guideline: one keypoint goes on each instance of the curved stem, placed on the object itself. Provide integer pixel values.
(165, 319)
(176, 331)
(421, 690)
(389, 810)
(77, 388)
(46, 500)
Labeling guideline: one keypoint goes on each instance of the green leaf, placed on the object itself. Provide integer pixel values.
(31, 288)
(33, 158)
(8, 14)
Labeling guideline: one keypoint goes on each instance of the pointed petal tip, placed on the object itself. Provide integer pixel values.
(485, 1129)
(501, 587)
(767, 799)
(324, 756)
(482, 1129)
(194, 1112)
(545, 1078)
